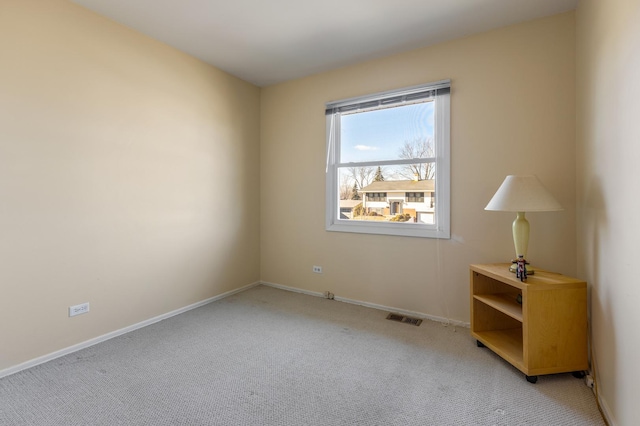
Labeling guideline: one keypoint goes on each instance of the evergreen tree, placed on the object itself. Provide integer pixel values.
(354, 192)
(378, 177)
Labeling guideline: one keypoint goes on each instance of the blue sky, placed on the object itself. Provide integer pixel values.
(380, 134)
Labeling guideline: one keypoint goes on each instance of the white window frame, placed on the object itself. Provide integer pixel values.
(440, 229)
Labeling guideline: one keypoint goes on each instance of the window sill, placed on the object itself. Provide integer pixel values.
(396, 229)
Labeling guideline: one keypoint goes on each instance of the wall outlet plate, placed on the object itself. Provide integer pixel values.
(317, 269)
(82, 308)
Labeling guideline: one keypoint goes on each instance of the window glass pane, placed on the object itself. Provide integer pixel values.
(405, 132)
(385, 194)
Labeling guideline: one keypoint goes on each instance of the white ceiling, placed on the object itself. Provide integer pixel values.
(270, 41)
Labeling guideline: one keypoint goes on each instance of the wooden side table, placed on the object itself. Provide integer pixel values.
(539, 326)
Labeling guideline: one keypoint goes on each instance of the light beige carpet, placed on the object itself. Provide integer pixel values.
(272, 357)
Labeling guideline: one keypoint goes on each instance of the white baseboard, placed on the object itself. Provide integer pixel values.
(116, 333)
(604, 407)
(373, 305)
(292, 289)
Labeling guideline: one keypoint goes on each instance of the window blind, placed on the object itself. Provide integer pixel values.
(389, 99)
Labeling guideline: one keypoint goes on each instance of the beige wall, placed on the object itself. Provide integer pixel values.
(512, 112)
(608, 148)
(128, 178)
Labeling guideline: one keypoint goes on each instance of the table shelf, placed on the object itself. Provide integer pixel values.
(503, 302)
(506, 343)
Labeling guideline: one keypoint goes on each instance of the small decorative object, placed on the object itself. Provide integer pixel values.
(521, 268)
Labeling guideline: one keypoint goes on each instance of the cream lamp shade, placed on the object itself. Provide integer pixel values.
(522, 194)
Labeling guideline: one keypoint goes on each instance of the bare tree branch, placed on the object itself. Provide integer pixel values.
(418, 148)
(346, 186)
(362, 175)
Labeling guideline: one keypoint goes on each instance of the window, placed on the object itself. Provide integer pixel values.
(377, 196)
(415, 197)
(388, 157)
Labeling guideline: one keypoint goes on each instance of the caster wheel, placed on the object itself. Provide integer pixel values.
(480, 344)
(578, 374)
(532, 379)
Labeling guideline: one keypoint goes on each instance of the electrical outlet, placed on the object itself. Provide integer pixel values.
(317, 269)
(588, 380)
(82, 308)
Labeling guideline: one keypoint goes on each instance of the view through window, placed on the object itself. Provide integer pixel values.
(387, 170)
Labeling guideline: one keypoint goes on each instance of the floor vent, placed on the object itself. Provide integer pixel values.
(402, 318)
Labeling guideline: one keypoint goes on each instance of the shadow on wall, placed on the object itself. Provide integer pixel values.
(601, 322)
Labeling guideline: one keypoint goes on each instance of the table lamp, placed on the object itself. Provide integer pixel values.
(522, 194)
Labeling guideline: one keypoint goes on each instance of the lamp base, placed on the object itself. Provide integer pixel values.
(530, 270)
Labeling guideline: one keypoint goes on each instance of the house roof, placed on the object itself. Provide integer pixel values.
(350, 203)
(401, 185)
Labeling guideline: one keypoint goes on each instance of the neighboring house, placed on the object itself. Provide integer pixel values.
(391, 198)
(346, 208)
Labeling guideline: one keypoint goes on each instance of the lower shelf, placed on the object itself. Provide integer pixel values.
(506, 343)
